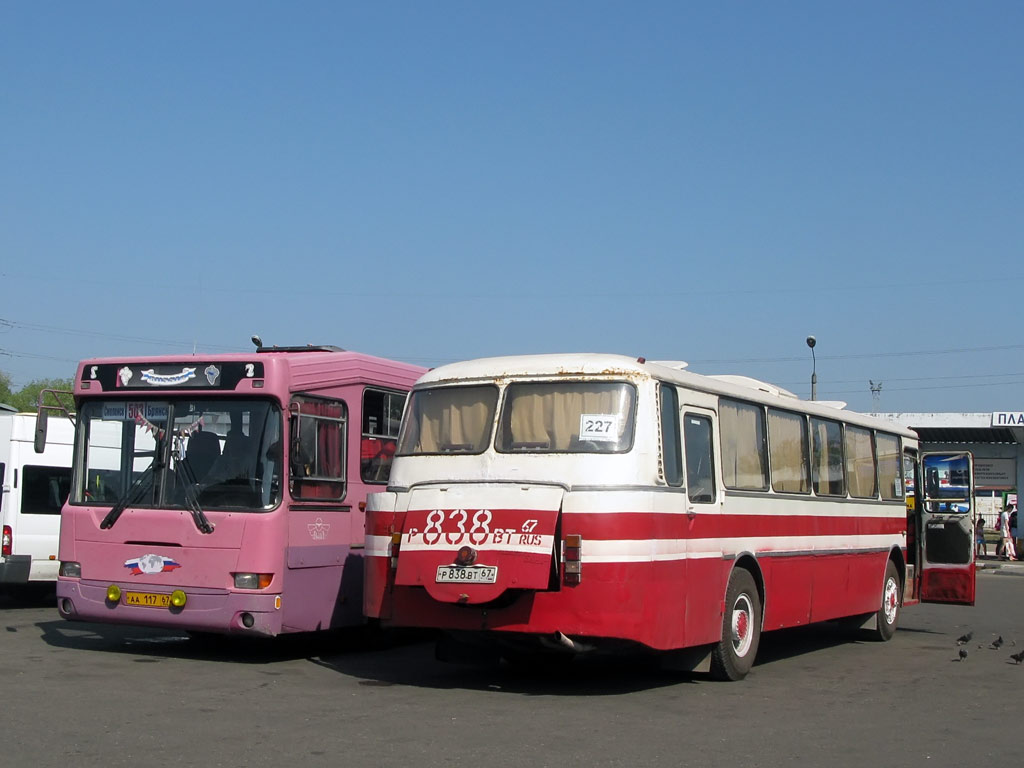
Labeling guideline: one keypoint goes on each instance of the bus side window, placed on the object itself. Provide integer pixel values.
(700, 469)
(318, 449)
(672, 462)
(382, 417)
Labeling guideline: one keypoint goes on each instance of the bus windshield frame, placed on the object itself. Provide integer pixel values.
(179, 451)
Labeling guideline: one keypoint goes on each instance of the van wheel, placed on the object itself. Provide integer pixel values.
(733, 656)
(889, 612)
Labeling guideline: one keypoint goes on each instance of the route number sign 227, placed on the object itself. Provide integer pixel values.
(599, 426)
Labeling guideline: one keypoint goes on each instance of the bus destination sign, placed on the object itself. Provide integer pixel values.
(199, 375)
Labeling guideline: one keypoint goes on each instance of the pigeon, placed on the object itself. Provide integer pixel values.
(1017, 657)
(963, 654)
(964, 638)
(997, 642)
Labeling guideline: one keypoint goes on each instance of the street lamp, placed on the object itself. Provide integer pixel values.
(811, 341)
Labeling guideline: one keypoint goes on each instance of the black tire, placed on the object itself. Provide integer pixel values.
(733, 655)
(892, 601)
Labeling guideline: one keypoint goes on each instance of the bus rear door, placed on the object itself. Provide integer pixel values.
(945, 498)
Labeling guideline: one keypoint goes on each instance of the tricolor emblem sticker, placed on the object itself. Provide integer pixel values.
(150, 564)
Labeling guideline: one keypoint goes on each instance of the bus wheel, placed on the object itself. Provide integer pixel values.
(734, 654)
(889, 612)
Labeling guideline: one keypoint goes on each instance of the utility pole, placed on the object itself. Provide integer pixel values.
(876, 394)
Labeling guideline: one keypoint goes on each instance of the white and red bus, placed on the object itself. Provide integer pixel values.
(225, 493)
(587, 502)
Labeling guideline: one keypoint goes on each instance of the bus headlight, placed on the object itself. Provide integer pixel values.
(178, 598)
(71, 569)
(253, 580)
(113, 594)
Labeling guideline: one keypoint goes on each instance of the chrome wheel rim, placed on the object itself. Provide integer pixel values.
(890, 600)
(742, 625)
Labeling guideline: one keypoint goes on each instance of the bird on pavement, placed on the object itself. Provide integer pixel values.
(1017, 657)
(964, 638)
(963, 654)
(997, 642)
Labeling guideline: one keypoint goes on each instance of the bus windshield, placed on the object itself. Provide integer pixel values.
(567, 417)
(536, 417)
(449, 420)
(180, 453)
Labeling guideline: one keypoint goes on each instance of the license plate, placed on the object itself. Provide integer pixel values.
(148, 599)
(459, 574)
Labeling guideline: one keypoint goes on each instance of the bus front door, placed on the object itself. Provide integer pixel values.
(946, 530)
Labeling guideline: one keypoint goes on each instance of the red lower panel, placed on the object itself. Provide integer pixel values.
(948, 585)
(663, 604)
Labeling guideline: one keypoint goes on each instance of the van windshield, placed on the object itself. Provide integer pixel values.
(567, 417)
(177, 452)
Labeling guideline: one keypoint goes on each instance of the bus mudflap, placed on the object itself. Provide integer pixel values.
(468, 545)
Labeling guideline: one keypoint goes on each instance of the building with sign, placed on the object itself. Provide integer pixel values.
(996, 440)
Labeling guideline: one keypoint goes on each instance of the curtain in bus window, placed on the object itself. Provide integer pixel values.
(329, 448)
(450, 420)
(382, 412)
(546, 416)
(860, 463)
(319, 460)
(827, 458)
(790, 464)
(744, 458)
(890, 482)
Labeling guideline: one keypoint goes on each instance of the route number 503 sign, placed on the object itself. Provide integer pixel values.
(599, 426)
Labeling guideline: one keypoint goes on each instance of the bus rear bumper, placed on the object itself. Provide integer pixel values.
(205, 610)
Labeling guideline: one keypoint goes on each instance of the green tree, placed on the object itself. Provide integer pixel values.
(6, 396)
(26, 398)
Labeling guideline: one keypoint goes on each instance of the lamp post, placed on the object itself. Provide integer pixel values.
(811, 341)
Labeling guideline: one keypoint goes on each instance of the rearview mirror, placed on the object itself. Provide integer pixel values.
(42, 416)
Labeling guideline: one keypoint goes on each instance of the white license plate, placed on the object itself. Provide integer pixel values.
(460, 574)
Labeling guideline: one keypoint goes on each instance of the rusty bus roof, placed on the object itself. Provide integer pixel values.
(622, 366)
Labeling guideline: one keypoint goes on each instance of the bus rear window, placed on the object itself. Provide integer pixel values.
(449, 420)
(567, 417)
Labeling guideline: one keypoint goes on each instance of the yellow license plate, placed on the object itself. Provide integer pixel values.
(148, 599)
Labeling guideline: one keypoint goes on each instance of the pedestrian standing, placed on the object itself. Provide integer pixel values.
(1009, 551)
(980, 547)
(1013, 527)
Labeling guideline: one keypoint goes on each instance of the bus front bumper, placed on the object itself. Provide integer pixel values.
(205, 610)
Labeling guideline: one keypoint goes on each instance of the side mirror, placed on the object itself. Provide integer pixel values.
(42, 417)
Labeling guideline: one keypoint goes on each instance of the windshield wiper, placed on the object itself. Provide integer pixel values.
(133, 495)
(192, 499)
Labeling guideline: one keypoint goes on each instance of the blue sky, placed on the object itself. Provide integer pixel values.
(448, 180)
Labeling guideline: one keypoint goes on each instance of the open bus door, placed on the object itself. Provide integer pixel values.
(945, 497)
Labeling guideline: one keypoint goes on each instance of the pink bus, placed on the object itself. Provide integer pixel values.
(226, 493)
